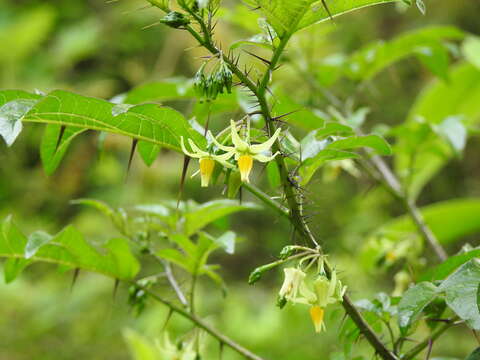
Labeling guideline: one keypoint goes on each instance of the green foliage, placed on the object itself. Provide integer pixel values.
(426, 43)
(287, 17)
(420, 152)
(461, 289)
(413, 303)
(68, 249)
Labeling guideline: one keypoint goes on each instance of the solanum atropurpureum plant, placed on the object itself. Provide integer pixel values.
(176, 235)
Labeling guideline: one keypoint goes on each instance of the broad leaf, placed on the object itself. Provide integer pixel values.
(207, 213)
(420, 152)
(426, 43)
(461, 292)
(287, 16)
(414, 301)
(69, 249)
(160, 91)
(442, 219)
(374, 142)
(310, 166)
(149, 122)
(441, 271)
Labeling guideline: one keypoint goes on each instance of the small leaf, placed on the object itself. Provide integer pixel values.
(13, 267)
(414, 301)
(461, 290)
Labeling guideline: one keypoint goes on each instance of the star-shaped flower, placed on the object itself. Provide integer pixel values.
(206, 159)
(244, 152)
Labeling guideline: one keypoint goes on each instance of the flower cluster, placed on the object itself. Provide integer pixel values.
(318, 294)
(243, 152)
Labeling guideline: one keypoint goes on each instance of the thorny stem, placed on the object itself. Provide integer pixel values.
(295, 210)
(202, 325)
(421, 346)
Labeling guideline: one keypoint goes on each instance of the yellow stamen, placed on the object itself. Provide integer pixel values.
(206, 169)
(245, 163)
(316, 313)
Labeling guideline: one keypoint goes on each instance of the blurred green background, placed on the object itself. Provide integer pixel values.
(100, 48)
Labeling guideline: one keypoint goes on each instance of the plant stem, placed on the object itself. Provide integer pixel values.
(202, 325)
(295, 211)
(391, 181)
(420, 347)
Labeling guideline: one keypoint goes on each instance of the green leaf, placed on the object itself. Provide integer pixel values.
(287, 16)
(419, 153)
(441, 271)
(436, 58)
(159, 125)
(52, 155)
(302, 117)
(414, 301)
(374, 142)
(310, 166)
(68, 248)
(475, 355)
(12, 268)
(174, 89)
(471, 50)
(207, 213)
(440, 220)
(148, 151)
(425, 43)
(461, 292)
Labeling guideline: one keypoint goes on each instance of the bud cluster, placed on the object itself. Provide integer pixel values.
(208, 86)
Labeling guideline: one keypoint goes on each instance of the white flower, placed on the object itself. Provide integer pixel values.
(244, 152)
(291, 285)
(206, 160)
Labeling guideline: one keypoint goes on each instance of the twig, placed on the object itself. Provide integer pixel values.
(202, 325)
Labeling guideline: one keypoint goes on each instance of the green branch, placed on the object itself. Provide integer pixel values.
(202, 325)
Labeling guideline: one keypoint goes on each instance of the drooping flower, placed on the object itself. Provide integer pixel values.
(244, 152)
(168, 350)
(291, 284)
(325, 292)
(206, 160)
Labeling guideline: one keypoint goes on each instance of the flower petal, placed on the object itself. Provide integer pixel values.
(197, 150)
(266, 145)
(185, 151)
(240, 145)
(263, 158)
(220, 146)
